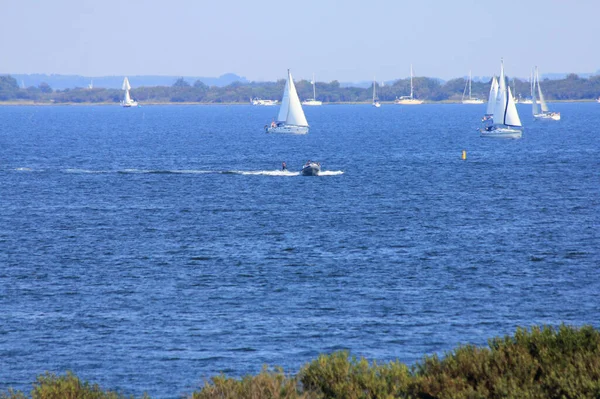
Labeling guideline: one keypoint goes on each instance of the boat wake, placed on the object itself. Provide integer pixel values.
(283, 173)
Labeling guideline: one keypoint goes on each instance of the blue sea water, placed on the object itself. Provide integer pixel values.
(149, 249)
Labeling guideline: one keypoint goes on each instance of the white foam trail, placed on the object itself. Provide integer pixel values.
(83, 171)
(24, 169)
(266, 172)
(331, 172)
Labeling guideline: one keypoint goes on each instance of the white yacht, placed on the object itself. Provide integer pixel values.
(258, 101)
(313, 101)
(409, 100)
(470, 100)
(376, 102)
(291, 118)
(545, 113)
(127, 100)
(506, 121)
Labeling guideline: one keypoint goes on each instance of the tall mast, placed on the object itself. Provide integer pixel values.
(314, 90)
(411, 84)
(469, 85)
(374, 83)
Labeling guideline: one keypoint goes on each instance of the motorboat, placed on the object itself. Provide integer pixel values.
(267, 103)
(311, 168)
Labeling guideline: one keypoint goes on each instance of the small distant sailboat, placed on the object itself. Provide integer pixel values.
(291, 118)
(91, 85)
(127, 100)
(376, 102)
(267, 103)
(545, 113)
(529, 99)
(506, 121)
(470, 100)
(409, 100)
(313, 101)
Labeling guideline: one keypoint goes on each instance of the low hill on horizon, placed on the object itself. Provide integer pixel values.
(61, 82)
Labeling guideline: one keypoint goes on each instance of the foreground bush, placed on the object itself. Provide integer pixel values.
(540, 363)
(50, 386)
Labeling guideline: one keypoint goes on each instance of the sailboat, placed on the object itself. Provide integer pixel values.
(545, 114)
(409, 100)
(291, 117)
(127, 101)
(313, 101)
(376, 102)
(91, 85)
(506, 121)
(470, 100)
(489, 112)
(529, 99)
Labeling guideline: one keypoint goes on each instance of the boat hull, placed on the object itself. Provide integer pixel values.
(503, 132)
(130, 104)
(473, 101)
(555, 116)
(288, 129)
(266, 103)
(408, 102)
(312, 102)
(311, 169)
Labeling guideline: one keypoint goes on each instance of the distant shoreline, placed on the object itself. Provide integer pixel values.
(32, 103)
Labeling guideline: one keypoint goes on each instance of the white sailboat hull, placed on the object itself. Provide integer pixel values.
(377, 104)
(312, 102)
(555, 116)
(501, 132)
(288, 129)
(408, 101)
(129, 104)
(473, 101)
(266, 103)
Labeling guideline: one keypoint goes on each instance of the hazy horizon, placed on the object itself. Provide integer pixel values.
(350, 42)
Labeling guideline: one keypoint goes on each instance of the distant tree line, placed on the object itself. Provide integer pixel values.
(571, 87)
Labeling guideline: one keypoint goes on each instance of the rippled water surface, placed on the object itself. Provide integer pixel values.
(148, 249)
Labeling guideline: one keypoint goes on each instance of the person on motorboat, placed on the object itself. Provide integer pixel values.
(283, 166)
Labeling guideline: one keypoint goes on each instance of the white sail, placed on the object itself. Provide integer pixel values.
(126, 85)
(500, 104)
(511, 116)
(374, 84)
(492, 99)
(291, 112)
(505, 110)
(543, 104)
(127, 98)
(534, 105)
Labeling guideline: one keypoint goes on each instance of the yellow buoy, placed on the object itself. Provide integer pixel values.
(464, 155)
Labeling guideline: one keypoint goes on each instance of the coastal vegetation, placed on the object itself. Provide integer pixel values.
(571, 88)
(541, 362)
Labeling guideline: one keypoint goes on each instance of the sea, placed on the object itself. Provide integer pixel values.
(152, 248)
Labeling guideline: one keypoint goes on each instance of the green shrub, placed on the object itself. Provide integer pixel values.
(540, 363)
(267, 384)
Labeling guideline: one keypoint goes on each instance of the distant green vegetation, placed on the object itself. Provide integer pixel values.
(539, 363)
(570, 88)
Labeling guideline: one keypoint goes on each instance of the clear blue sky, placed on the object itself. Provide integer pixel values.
(349, 40)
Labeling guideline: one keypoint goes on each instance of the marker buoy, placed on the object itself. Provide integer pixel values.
(464, 155)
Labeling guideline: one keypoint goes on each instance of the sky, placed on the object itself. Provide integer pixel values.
(348, 41)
